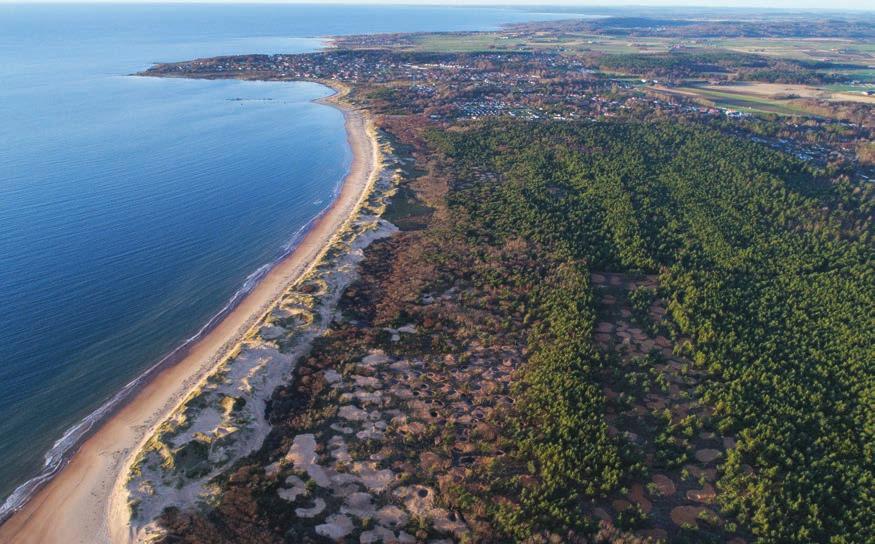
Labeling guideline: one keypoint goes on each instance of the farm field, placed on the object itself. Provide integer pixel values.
(835, 50)
(764, 97)
(785, 90)
(748, 103)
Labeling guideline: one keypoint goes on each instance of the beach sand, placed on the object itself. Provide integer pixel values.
(85, 502)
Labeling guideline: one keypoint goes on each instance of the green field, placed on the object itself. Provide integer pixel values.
(449, 43)
(569, 43)
(849, 88)
(746, 102)
(863, 74)
(837, 50)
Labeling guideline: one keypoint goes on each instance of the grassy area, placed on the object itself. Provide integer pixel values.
(452, 43)
(862, 74)
(406, 211)
(571, 42)
(835, 50)
(849, 88)
(742, 102)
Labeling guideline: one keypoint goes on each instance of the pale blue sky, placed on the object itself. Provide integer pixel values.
(868, 5)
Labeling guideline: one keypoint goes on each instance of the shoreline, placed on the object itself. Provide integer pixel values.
(77, 503)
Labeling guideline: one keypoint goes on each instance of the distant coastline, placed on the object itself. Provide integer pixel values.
(72, 499)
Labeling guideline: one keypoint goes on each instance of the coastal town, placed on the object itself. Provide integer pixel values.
(450, 88)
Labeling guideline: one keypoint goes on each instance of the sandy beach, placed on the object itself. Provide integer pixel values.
(84, 503)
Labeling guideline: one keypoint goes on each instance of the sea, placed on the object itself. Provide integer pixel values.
(134, 210)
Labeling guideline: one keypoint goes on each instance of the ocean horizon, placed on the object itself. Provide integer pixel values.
(133, 210)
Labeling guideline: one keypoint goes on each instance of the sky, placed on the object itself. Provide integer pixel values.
(868, 5)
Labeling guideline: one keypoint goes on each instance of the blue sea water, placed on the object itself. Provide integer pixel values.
(133, 209)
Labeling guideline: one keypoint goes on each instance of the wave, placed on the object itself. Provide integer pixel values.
(61, 451)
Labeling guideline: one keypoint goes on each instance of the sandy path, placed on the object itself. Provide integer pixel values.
(84, 503)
